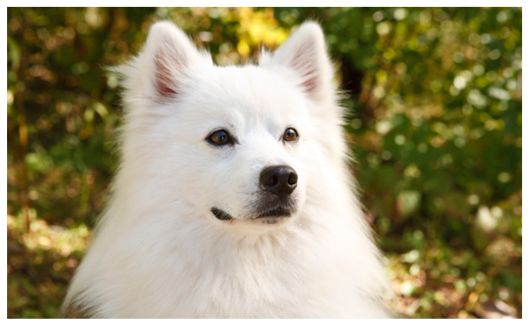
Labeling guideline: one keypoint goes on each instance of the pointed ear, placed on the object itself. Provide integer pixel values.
(305, 53)
(169, 56)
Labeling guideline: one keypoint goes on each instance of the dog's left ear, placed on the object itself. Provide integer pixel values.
(305, 53)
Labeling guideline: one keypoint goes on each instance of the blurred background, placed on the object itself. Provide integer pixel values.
(434, 102)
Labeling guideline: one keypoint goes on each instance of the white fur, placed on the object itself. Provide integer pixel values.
(159, 251)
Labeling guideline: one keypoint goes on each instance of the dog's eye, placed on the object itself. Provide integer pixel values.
(220, 138)
(290, 134)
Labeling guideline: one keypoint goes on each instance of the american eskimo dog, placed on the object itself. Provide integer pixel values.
(234, 197)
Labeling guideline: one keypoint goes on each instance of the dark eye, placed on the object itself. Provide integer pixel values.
(290, 134)
(220, 138)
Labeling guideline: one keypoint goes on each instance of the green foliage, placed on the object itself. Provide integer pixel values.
(434, 121)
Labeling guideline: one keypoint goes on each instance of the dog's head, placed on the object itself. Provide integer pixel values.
(236, 144)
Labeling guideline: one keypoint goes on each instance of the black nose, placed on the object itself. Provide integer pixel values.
(280, 180)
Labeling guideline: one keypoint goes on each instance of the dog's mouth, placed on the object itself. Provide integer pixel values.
(268, 216)
(277, 212)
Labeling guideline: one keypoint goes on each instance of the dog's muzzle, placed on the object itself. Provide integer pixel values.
(277, 183)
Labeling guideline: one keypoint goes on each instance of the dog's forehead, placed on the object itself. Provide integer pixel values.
(253, 89)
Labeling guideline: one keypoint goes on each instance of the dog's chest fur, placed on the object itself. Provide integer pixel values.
(277, 276)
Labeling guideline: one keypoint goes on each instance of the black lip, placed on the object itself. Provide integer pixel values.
(220, 214)
(278, 212)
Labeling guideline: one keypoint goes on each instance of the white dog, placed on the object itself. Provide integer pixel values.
(234, 197)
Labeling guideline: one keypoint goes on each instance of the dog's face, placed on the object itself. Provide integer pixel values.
(235, 144)
(246, 128)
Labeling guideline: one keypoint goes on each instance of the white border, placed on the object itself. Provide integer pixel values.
(3, 154)
(257, 3)
(268, 3)
(526, 158)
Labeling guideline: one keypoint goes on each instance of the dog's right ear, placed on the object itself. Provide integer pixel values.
(170, 55)
(305, 54)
